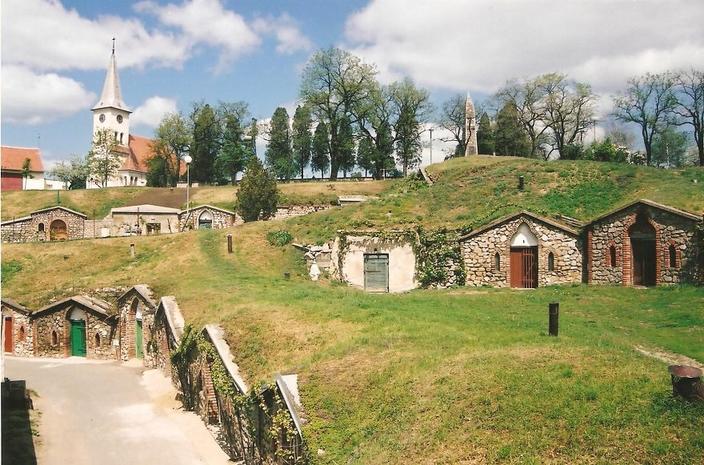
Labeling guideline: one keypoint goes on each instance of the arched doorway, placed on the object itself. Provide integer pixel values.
(138, 334)
(77, 334)
(643, 253)
(58, 231)
(205, 220)
(524, 258)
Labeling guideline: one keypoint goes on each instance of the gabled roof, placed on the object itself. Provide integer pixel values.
(512, 216)
(89, 303)
(139, 153)
(198, 207)
(145, 209)
(650, 203)
(16, 306)
(111, 97)
(59, 207)
(17, 220)
(143, 290)
(12, 158)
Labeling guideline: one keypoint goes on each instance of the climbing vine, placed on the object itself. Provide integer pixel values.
(438, 254)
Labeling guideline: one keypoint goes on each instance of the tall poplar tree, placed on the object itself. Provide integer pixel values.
(321, 149)
(302, 138)
(206, 143)
(345, 146)
(485, 135)
(279, 156)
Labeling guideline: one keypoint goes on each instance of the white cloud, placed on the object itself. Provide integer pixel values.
(207, 22)
(32, 98)
(289, 37)
(151, 112)
(44, 35)
(479, 44)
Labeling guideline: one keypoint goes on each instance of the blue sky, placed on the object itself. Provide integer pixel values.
(173, 52)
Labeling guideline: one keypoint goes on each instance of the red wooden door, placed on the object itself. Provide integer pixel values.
(9, 343)
(644, 256)
(524, 267)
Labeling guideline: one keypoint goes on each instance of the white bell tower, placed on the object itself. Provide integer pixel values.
(110, 112)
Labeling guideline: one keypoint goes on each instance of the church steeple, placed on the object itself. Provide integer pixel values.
(111, 96)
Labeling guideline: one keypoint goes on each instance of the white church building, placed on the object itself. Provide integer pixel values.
(112, 114)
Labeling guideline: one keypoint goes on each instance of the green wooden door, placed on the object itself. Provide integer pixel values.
(376, 272)
(138, 339)
(78, 338)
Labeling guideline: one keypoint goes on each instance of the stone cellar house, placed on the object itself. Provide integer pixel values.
(136, 310)
(207, 217)
(18, 332)
(48, 224)
(76, 326)
(522, 250)
(644, 244)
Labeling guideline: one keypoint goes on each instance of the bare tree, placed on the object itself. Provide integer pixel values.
(689, 109)
(569, 109)
(648, 102)
(452, 118)
(528, 100)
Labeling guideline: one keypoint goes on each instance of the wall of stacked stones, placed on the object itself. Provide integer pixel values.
(44, 326)
(291, 211)
(670, 229)
(220, 218)
(27, 230)
(100, 347)
(19, 231)
(129, 307)
(22, 332)
(479, 255)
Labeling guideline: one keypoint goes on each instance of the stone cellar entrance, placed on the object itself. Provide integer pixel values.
(9, 343)
(205, 220)
(643, 252)
(524, 258)
(58, 231)
(376, 272)
(78, 338)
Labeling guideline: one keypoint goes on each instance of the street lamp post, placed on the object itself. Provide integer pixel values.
(188, 161)
(431, 145)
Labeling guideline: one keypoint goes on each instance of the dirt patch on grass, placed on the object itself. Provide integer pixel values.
(670, 358)
(174, 198)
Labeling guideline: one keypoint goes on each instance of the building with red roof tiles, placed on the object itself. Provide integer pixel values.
(12, 160)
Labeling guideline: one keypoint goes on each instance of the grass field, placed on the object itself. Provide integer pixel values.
(458, 376)
(96, 203)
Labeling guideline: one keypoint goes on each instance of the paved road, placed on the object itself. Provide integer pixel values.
(108, 413)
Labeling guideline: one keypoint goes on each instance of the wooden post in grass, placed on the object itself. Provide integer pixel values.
(132, 251)
(554, 316)
(229, 243)
(521, 182)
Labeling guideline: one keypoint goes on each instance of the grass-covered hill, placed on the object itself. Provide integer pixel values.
(457, 376)
(470, 192)
(96, 203)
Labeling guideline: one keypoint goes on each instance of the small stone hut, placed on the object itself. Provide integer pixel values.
(522, 250)
(165, 335)
(207, 217)
(144, 220)
(644, 244)
(48, 224)
(80, 325)
(17, 329)
(137, 308)
(375, 261)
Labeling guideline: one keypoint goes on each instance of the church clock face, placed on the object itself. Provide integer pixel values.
(119, 118)
(101, 118)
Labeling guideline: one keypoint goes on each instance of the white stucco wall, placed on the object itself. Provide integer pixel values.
(402, 261)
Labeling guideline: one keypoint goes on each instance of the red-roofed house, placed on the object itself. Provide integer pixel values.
(13, 160)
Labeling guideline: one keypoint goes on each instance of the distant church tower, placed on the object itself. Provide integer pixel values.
(470, 127)
(110, 112)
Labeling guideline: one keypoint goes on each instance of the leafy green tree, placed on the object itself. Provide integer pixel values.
(172, 141)
(321, 149)
(485, 135)
(235, 152)
(365, 154)
(206, 143)
(333, 82)
(103, 160)
(572, 152)
(412, 109)
(606, 150)
(158, 172)
(648, 102)
(302, 138)
(375, 116)
(345, 146)
(257, 196)
(279, 155)
(26, 172)
(669, 148)
(72, 173)
(511, 138)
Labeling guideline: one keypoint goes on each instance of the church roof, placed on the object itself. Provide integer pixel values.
(111, 96)
(140, 151)
(13, 158)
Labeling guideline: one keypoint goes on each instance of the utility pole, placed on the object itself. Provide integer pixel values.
(431, 145)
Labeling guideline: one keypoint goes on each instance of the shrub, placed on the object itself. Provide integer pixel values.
(279, 238)
(258, 195)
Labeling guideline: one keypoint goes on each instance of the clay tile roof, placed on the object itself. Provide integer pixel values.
(140, 150)
(13, 158)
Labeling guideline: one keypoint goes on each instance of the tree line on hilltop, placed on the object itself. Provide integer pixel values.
(349, 124)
